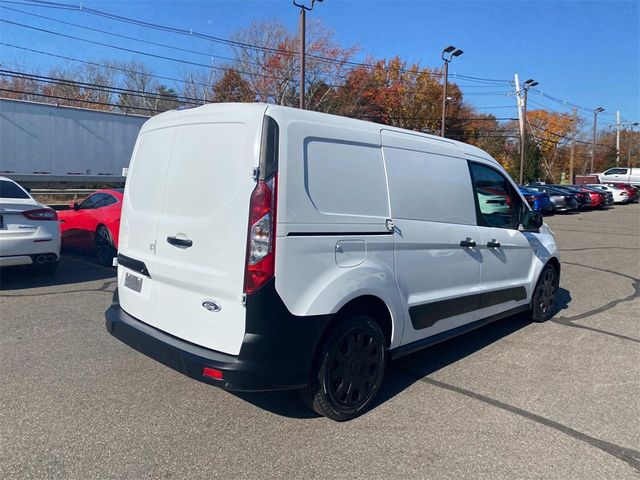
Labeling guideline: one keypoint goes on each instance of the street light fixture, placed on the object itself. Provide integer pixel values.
(303, 15)
(593, 144)
(523, 141)
(447, 55)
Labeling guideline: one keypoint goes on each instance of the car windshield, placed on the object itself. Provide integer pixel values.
(8, 189)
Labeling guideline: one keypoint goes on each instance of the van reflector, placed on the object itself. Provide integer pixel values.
(212, 373)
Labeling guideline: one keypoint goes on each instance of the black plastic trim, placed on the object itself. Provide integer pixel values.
(449, 334)
(428, 314)
(276, 354)
(133, 264)
(335, 234)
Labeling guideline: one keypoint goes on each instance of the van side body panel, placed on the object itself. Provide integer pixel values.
(332, 242)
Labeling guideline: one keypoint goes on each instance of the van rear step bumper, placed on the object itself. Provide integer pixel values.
(277, 353)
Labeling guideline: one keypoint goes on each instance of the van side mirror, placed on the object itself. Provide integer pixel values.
(531, 221)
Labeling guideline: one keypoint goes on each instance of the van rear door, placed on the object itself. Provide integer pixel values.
(201, 238)
(141, 210)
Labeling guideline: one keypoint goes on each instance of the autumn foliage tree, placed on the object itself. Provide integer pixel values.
(232, 88)
(272, 72)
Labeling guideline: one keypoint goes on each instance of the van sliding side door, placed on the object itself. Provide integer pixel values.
(437, 261)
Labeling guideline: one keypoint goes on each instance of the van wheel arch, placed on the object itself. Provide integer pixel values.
(368, 305)
(553, 261)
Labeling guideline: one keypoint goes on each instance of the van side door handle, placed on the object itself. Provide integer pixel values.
(493, 244)
(468, 243)
(179, 242)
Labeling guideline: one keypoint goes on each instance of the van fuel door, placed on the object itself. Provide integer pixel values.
(350, 253)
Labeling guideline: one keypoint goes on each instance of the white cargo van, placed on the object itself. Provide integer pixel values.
(266, 248)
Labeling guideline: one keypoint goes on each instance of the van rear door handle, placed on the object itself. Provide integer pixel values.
(468, 243)
(179, 242)
(493, 244)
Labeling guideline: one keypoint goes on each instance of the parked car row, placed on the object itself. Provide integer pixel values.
(550, 198)
(32, 233)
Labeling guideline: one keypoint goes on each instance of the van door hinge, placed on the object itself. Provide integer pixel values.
(244, 299)
(389, 224)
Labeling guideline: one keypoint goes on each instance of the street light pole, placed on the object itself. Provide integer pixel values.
(523, 141)
(593, 144)
(303, 23)
(447, 55)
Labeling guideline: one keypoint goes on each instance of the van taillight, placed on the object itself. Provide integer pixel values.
(260, 263)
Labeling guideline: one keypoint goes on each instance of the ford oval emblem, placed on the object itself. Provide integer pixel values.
(211, 306)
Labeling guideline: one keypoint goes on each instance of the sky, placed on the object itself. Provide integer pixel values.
(586, 53)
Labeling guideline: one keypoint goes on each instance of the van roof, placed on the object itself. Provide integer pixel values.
(199, 114)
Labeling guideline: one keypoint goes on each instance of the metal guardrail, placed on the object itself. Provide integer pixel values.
(62, 191)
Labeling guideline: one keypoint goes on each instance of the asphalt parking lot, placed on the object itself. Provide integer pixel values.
(511, 400)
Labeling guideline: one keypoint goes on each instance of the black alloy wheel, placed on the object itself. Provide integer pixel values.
(544, 295)
(349, 370)
(104, 246)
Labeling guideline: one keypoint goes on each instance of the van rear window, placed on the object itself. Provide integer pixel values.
(11, 190)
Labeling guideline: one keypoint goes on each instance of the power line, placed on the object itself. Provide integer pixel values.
(111, 67)
(126, 37)
(92, 102)
(139, 52)
(192, 34)
(100, 88)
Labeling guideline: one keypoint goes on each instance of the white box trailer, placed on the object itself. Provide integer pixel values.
(42, 142)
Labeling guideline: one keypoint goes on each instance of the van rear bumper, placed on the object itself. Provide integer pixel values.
(276, 354)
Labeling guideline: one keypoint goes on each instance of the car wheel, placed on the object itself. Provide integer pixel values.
(544, 295)
(348, 370)
(104, 246)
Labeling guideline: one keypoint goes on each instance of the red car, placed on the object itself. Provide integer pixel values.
(631, 190)
(93, 224)
(598, 199)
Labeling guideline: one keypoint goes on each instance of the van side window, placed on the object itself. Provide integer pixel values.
(498, 204)
(345, 178)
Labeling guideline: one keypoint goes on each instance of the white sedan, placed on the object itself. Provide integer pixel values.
(620, 195)
(29, 231)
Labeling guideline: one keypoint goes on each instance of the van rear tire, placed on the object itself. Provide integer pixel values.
(348, 370)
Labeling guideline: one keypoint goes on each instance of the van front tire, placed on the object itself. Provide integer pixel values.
(348, 370)
(544, 296)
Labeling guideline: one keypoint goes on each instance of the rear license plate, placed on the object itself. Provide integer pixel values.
(133, 282)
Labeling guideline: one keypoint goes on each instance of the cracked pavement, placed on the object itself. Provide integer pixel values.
(511, 400)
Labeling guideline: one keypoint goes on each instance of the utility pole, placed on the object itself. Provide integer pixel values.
(573, 144)
(631, 125)
(303, 23)
(617, 138)
(593, 144)
(447, 55)
(523, 140)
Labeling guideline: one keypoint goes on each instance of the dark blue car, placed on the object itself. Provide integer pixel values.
(538, 201)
